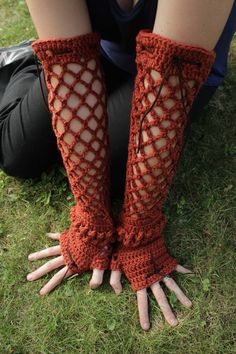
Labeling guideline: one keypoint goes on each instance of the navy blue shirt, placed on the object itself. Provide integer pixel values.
(119, 29)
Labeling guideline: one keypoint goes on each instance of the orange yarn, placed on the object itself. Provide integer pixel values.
(77, 100)
(169, 76)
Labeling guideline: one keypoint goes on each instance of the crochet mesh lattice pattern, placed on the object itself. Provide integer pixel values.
(77, 100)
(142, 254)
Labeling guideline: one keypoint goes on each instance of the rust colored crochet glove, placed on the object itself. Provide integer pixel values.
(169, 76)
(77, 101)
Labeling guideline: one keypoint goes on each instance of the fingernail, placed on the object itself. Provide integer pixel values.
(30, 257)
(29, 277)
(42, 292)
(174, 322)
(188, 303)
(93, 286)
(146, 326)
(118, 291)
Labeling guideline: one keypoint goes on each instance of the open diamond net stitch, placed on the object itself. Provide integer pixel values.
(169, 76)
(77, 101)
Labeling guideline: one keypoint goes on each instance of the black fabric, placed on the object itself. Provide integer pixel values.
(27, 142)
(120, 26)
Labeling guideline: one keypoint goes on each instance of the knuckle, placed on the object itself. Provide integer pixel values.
(167, 279)
(142, 295)
(50, 263)
(161, 298)
(170, 282)
(165, 307)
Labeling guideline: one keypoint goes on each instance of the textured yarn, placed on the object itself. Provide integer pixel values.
(77, 101)
(169, 76)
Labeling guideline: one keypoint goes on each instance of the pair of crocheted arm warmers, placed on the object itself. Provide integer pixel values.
(169, 76)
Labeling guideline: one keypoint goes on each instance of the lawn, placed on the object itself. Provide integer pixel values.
(200, 233)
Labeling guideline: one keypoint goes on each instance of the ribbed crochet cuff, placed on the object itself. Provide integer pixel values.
(144, 265)
(81, 256)
(155, 51)
(68, 49)
(86, 246)
(141, 254)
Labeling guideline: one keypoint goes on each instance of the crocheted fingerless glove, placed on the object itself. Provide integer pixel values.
(77, 101)
(169, 76)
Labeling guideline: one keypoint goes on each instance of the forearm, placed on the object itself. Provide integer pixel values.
(194, 22)
(59, 18)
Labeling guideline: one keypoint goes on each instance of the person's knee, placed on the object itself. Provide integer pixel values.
(13, 167)
(26, 167)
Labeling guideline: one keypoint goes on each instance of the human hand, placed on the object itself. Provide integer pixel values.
(65, 272)
(142, 299)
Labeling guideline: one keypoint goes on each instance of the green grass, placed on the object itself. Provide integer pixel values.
(200, 233)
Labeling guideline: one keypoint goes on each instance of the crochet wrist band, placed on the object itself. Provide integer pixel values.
(77, 101)
(169, 76)
(86, 246)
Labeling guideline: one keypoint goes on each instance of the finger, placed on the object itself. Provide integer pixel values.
(56, 280)
(53, 235)
(184, 270)
(48, 252)
(46, 268)
(115, 281)
(163, 303)
(96, 279)
(143, 309)
(171, 284)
